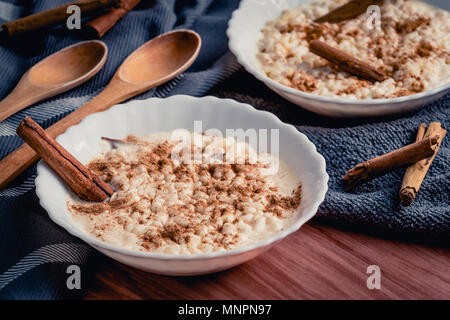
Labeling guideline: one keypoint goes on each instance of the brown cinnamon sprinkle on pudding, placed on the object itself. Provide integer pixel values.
(412, 47)
(162, 205)
(280, 205)
(424, 49)
(354, 87)
(412, 24)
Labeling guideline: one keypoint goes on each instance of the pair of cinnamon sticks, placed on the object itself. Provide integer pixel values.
(340, 58)
(97, 27)
(418, 156)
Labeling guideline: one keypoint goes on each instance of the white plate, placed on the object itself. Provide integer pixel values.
(142, 117)
(244, 32)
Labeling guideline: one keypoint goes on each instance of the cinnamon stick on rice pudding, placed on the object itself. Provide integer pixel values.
(162, 204)
(412, 47)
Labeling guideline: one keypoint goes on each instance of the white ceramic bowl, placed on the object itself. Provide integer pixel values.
(142, 117)
(244, 32)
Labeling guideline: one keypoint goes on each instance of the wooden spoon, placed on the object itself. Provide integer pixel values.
(154, 63)
(55, 74)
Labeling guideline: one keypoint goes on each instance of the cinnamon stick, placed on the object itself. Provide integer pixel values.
(383, 164)
(347, 11)
(99, 26)
(52, 17)
(415, 173)
(346, 62)
(85, 184)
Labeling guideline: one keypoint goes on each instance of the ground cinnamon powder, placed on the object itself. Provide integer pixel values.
(222, 202)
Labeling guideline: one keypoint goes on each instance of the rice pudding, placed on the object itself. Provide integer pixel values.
(412, 47)
(165, 204)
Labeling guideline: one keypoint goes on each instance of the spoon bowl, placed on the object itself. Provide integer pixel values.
(144, 65)
(81, 61)
(55, 74)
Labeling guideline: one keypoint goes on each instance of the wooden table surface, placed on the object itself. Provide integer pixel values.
(317, 262)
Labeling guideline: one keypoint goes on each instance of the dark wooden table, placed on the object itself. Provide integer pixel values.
(317, 262)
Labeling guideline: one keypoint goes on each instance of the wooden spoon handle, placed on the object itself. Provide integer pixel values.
(15, 163)
(11, 105)
(22, 96)
(20, 159)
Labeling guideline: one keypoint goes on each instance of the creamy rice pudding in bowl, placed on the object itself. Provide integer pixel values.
(411, 47)
(191, 197)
